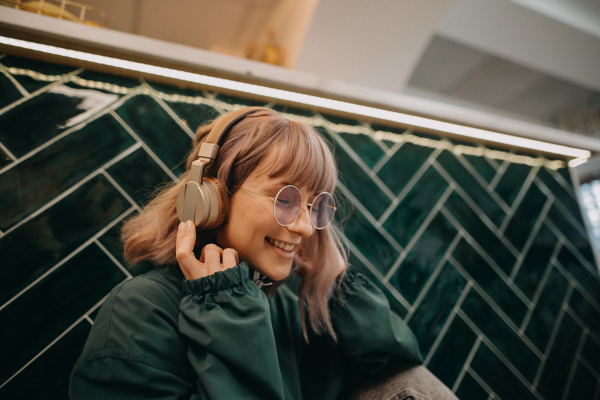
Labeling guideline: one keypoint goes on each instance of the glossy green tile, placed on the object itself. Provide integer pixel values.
(470, 389)
(360, 184)
(589, 314)
(483, 166)
(480, 232)
(57, 232)
(472, 187)
(39, 179)
(402, 166)
(586, 275)
(453, 351)
(423, 258)
(8, 92)
(536, 260)
(370, 242)
(501, 335)
(57, 301)
(490, 281)
(584, 384)
(498, 376)
(111, 240)
(512, 181)
(572, 229)
(546, 310)
(25, 127)
(4, 159)
(524, 219)
(139, 175)
(365, 147)
(30, 84)
(358, 266)
(566, 197)
(158, 130)
(591, 353)
(49, 374)
(560, 360)
(436, 306)
(409, 215)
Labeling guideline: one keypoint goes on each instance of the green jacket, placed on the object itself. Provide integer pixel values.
(158, 336)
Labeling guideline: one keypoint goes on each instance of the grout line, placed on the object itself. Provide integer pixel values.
(144, 145)
(65, 332)
(590, 368)
(376, 272)
(8, 152)
(409, 186)
(519, 199)
(113, 259)
(73, 188)
(479, 179)
(482, 383)
(88, 319)
(581, 259)
(553, 335)
(559, 178)
(417, 235)
(573, 314)
(467, 364)
(446, 326)
(574, 364)
(499, 173)
(532, 235)
(120, 189)
(578, 286)
(482, 216)
(540, 288)
(501, 274)
(65, 79)
(563, 209)
(156, 97)
(4, 70)
(430, 281)
(358, 205)
(387, 156)
(70, 255)
(359, 161)
(499, 354)
(497, 309)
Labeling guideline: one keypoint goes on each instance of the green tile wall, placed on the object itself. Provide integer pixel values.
(483, 253)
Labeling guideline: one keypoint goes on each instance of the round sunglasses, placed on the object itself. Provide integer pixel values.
(288, 202)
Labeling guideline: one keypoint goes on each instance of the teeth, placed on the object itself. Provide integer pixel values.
(282, 245)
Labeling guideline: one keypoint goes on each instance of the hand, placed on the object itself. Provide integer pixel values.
(212, 259)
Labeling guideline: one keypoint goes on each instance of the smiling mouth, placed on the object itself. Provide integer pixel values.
(282, 245)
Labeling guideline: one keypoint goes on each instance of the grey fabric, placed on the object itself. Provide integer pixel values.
(413, 383)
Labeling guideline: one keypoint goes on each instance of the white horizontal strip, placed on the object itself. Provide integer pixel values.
(301, 98)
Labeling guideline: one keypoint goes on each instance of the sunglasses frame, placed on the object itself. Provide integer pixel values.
(309, 205)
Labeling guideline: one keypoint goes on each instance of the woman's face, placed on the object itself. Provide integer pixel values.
(251, 229)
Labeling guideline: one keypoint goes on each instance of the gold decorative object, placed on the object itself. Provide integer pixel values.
(268, 52)
(62, 9)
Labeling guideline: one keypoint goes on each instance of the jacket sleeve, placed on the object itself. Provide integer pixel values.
(215, 342)
(368, 331)
(225, 318)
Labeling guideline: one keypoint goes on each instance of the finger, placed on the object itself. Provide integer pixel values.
(230, 258)
(184, 251)
(212, 255)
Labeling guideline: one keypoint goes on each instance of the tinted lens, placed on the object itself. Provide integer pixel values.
(287, 205)
(322, 210)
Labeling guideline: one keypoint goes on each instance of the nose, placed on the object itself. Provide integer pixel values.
(302, 223)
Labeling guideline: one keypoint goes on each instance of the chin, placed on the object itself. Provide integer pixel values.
(279, 273)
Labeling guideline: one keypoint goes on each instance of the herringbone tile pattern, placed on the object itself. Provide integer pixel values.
(482, 251)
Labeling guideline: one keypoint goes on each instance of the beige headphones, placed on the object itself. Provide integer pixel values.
(204, 200)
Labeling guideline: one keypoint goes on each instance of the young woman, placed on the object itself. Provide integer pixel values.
(259, 304)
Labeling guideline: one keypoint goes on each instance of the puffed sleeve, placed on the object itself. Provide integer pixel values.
(225, 318)
(368, 331)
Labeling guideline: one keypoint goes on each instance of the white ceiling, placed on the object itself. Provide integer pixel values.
(537, 60)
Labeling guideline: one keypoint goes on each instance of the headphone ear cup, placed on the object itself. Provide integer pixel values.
(223, 198)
